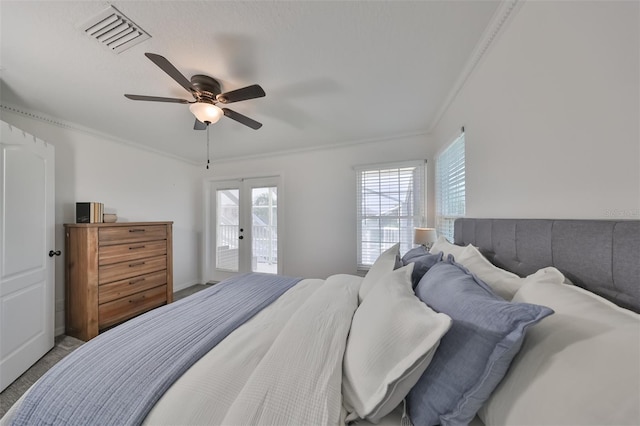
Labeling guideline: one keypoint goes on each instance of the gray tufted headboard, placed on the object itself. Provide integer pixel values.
(602, 256)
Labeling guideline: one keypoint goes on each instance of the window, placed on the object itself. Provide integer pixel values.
(450, 187)
(390, 205)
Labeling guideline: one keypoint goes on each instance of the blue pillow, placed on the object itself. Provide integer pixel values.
(486, 333)
(421, 265)
(413, 253)
(398, 263)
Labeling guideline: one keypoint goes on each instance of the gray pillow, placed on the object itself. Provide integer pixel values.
(421, 265)
(413, 253)
(399, 263)
(472, 358)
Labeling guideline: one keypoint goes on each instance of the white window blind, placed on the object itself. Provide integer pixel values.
(390, 203)
(450, 187)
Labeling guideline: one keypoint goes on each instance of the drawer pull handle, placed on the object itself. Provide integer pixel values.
(139, 299)
(131, 265)
(136, 247)
(137, 230)
(136, 281)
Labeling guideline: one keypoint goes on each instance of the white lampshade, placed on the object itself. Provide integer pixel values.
(206, 112)
(424, 236)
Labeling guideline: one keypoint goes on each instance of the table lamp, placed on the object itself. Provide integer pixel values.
(425, 237)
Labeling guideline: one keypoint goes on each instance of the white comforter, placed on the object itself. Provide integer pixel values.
(284, 366)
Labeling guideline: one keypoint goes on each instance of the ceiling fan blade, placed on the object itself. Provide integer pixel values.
(199, 125)
(243, 119)
(156, 99)
(249, 92)
(173, 72)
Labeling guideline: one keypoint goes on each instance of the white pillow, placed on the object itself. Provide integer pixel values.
(580, 366)
(392, 340)
(548, 275)
(504, 283)
(443, 245)
(384, 264)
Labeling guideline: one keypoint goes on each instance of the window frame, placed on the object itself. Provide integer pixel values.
(416, 216)
(450, 185)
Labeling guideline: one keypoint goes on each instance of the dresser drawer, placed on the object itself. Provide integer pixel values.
(133, 268)
(126, 234)
(119, 310)
(131, 251)
(123, 288)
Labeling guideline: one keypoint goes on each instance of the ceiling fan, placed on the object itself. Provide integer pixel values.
(207, 93)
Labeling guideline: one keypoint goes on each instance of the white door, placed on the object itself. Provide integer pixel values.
(26, 236)
(244, 228)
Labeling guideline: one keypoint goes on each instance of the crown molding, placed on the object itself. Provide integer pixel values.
(506, 11)
(72, 126)
(326, 147)
(25, 112)
(34, 115)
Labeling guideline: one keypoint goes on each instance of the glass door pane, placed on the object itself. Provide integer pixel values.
(227, 226)
(264, 229)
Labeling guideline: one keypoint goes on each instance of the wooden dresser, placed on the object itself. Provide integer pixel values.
(115, 271)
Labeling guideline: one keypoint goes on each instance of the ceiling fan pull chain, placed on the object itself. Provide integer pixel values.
(208, 146)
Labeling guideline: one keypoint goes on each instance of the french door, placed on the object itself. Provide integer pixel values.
(243, 224)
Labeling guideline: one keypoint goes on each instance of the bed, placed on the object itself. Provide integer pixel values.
(521, 321)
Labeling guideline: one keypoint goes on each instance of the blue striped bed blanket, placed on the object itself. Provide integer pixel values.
(117, 377)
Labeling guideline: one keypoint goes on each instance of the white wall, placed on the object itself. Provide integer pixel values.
(137, 185)
(552, 115)
(319, 199)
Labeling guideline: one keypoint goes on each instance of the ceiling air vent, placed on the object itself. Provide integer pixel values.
(114, 30)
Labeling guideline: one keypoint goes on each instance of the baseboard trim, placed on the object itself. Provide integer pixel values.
(182, 286)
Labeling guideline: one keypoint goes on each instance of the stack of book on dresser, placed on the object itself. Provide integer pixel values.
(89, 212)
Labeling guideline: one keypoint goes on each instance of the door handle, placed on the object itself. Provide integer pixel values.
(54, 253)
(240, 237)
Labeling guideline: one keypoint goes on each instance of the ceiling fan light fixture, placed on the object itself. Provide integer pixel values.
(204, 88)
(206, 113)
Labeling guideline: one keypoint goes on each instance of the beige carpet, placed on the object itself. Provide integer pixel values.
(64, 345)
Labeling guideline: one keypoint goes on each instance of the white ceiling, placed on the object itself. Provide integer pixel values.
(335, 72)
